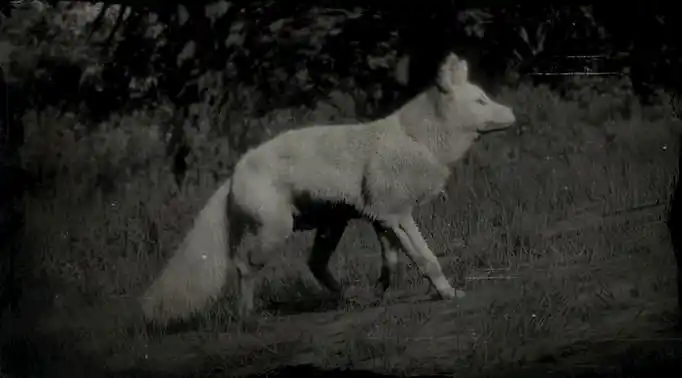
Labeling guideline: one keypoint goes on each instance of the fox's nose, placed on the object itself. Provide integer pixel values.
(508, 118)
(512, 117)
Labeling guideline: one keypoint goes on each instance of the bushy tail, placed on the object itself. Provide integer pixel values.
(197, 270)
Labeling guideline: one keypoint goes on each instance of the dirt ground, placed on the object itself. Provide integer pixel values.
(610, 318)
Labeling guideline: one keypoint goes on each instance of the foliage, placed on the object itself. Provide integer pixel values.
(289, 54)
(205, 68)
(208, 67)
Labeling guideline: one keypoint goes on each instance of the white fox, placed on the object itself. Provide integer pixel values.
(320, 177)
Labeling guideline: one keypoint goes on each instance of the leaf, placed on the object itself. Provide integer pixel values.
(91, 72)
(183, 15)
(377, 62)
(276, 26)
(524, 35)
(187, 52)
(216, 10)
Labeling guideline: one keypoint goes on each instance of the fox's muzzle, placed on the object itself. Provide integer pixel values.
(503, 121)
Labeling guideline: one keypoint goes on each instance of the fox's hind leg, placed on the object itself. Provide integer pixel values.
(327, 239)
(389, 257)
(268, 231)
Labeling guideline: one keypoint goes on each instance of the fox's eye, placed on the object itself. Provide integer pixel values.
(481, 101)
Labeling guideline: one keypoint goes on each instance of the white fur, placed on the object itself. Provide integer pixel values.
(197, 270)
(381, 170)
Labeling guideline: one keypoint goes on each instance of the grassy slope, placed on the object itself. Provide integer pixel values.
(553, 229)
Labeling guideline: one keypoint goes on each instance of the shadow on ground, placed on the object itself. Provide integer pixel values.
(287, 371)
(311, 303)
(659, 357)
(617, 358)
(645, 358)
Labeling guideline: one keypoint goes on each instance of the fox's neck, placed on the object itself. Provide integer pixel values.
(424, 120)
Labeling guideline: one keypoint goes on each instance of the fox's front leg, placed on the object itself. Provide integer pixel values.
(418, 251)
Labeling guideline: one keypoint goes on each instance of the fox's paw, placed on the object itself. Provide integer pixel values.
(451, 293)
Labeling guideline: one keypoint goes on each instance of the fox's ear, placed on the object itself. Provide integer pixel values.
(453, 71)
(444, 80)
(460, 73)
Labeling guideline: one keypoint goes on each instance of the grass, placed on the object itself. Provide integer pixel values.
(553, 229)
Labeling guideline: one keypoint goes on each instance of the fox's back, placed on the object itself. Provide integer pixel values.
(324, 162)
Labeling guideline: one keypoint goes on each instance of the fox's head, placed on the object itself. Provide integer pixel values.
(464, 103)
(450, 115)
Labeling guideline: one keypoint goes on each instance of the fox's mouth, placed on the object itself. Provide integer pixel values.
(493, 129)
